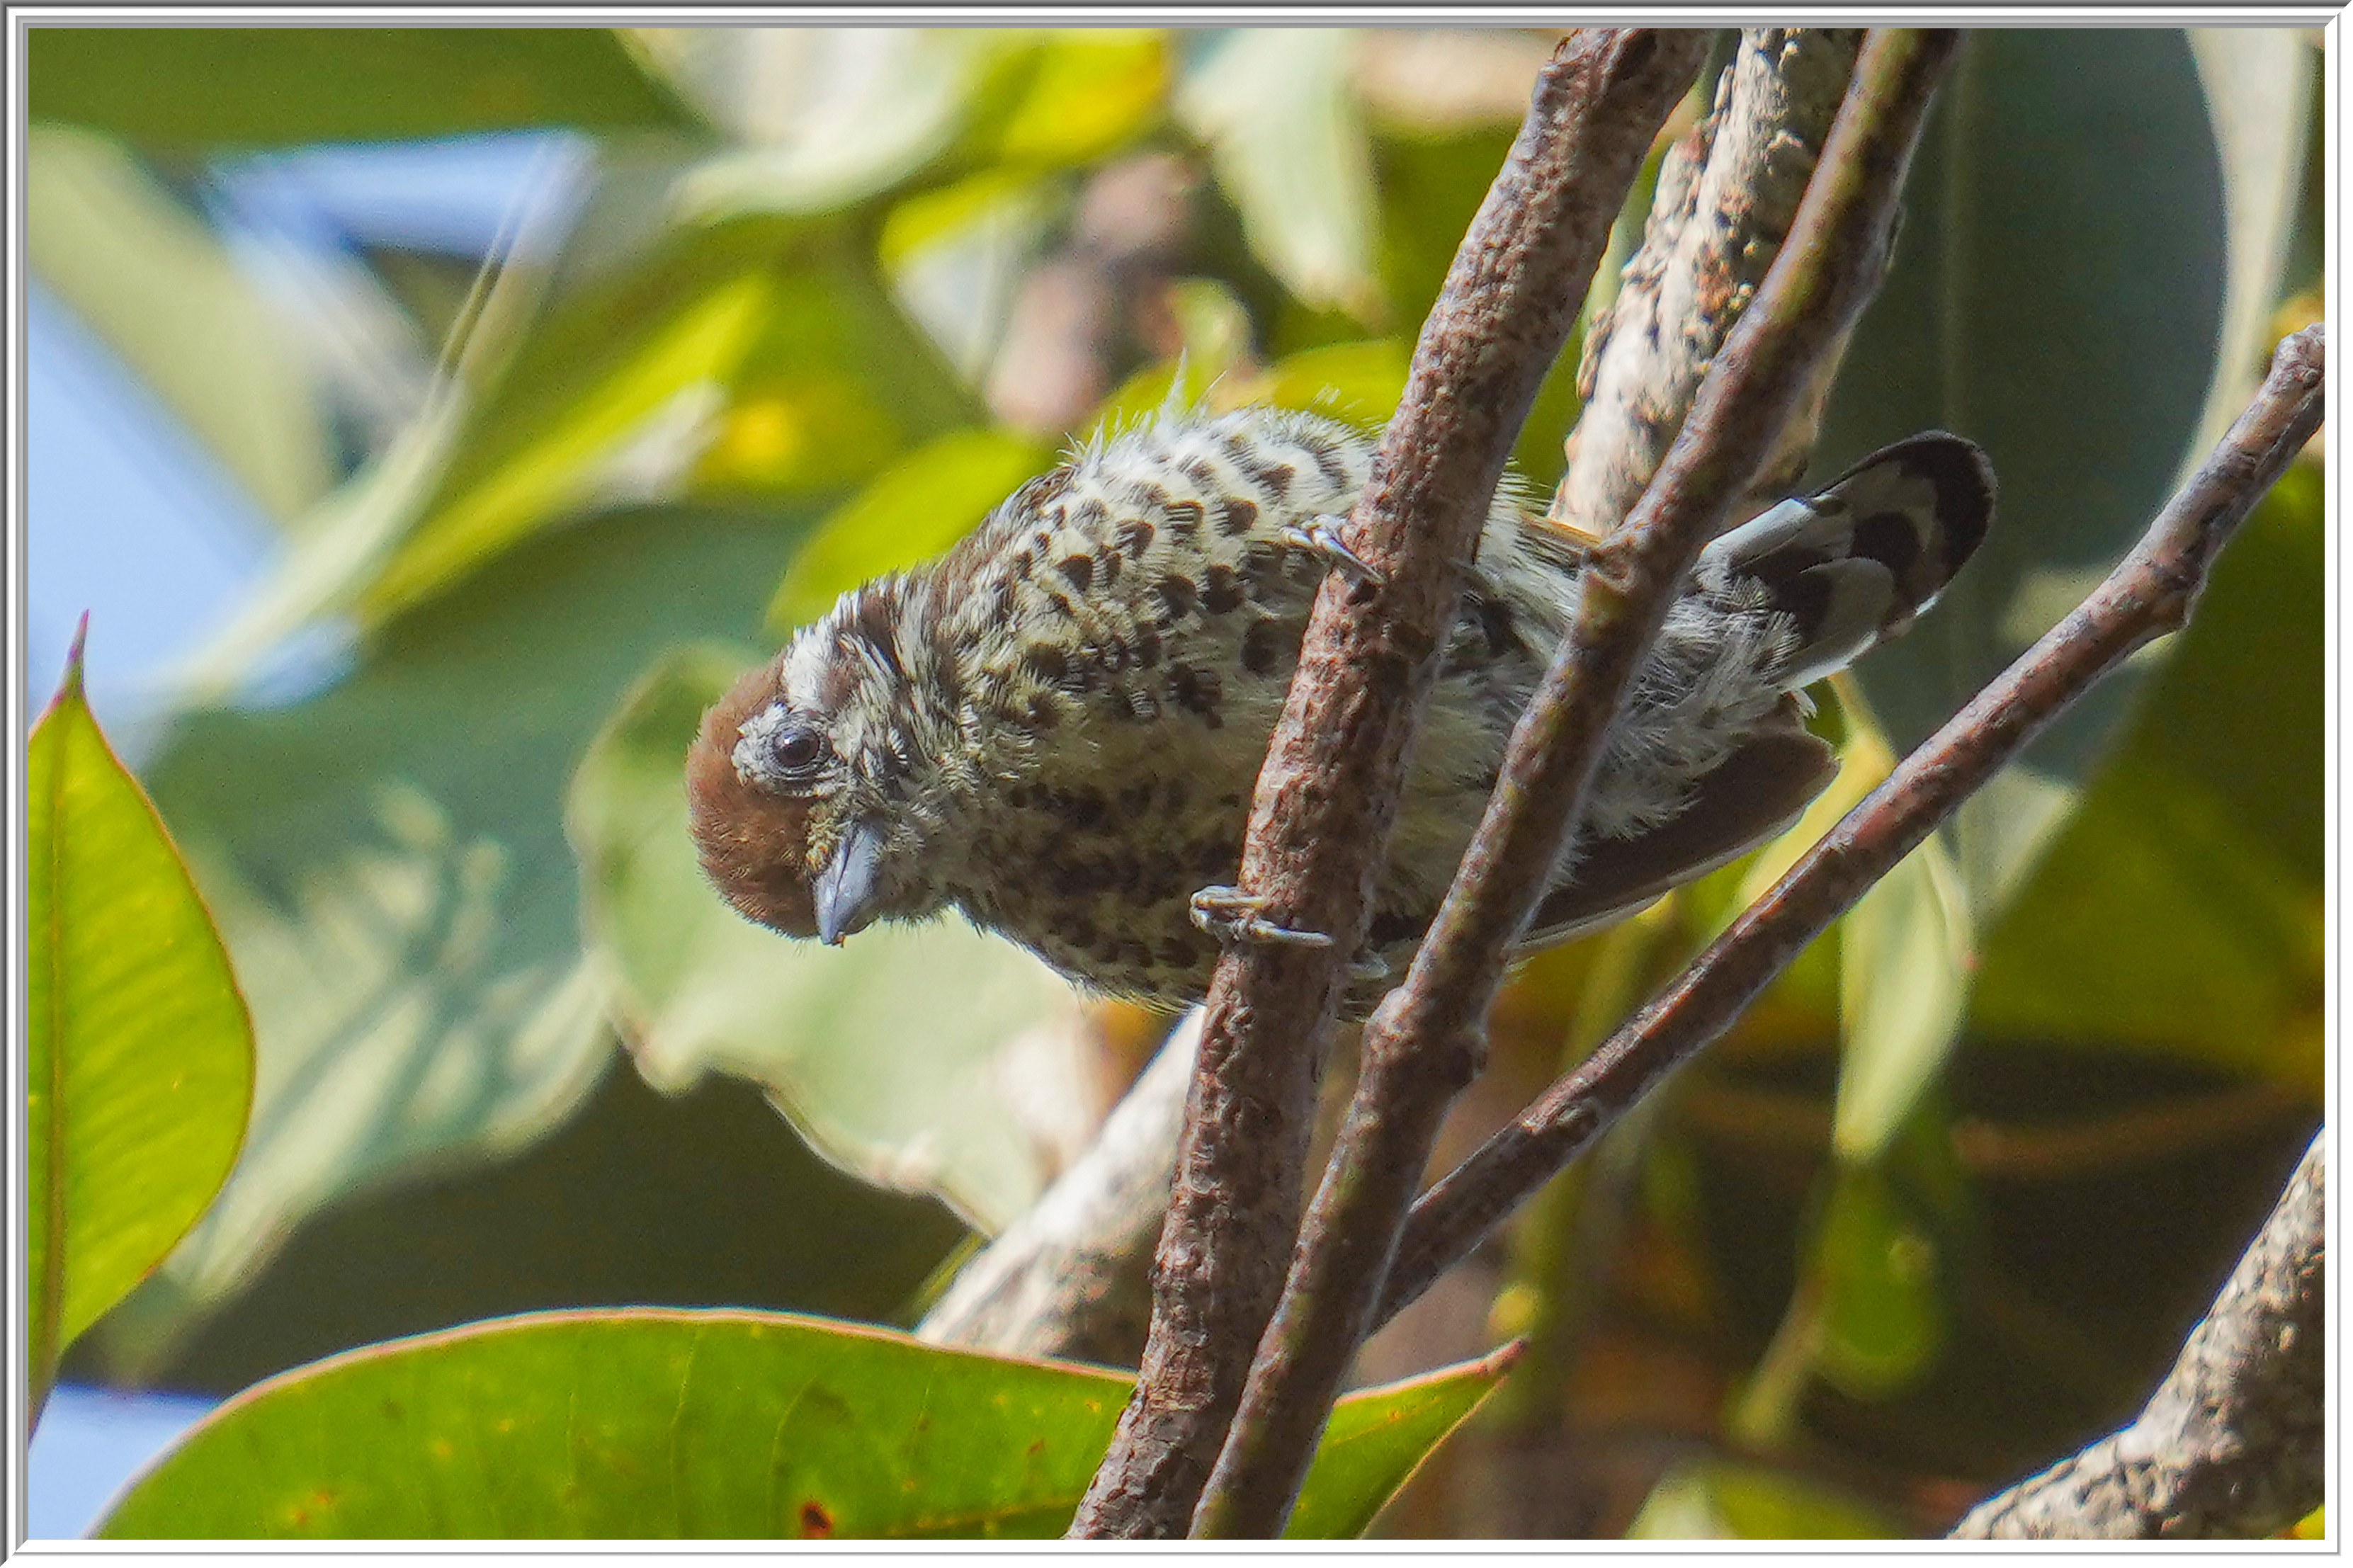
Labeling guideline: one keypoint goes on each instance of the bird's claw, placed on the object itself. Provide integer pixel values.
(1232, 916)
(1321, 534)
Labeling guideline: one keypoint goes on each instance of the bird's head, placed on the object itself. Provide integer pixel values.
(795, 782)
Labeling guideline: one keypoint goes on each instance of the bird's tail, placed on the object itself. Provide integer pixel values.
(1855, 562)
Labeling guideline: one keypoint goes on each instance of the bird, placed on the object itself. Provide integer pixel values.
(1056, 726)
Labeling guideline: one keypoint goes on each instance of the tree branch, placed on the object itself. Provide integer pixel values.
(1066, 1279)
(2151, 592)
(1427, 1040)
(2235, 1442)
(1728, 194)
(1328, 793)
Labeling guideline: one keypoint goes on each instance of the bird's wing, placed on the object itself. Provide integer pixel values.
(1752, 796)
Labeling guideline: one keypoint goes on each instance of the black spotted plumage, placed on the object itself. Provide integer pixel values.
(1055, 728)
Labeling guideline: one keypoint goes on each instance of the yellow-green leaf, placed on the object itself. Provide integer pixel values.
(139, 1055)
(641, 429)
(660, 1424)
(1091, 89)
(913, 510)
(1881, 1323)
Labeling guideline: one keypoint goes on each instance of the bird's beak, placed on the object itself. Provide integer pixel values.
(843, 891)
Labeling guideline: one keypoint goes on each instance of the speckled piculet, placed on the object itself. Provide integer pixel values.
(1056, 727)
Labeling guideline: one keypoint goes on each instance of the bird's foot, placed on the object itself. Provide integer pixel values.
(1232, 916)
(1321, 534)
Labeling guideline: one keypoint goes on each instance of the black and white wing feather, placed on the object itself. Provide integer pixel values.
(1857, 561)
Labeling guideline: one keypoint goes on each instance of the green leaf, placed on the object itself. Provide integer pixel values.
(1881, 1323)
(892, 1054)
(826, 117)
(141, 268)
(2258, 83)
(266, 86)
(749, 362)
(1905, 958)
(1377, 1438)
(2182, 909)
(1713, 1500)
(139, 1054)
(387, 864)
(1359, 381)
(649, 1424)
(1090, 91)
(911, 511)
(2077, 244)
(1903, 976)
(650, 414)
(1288, 142)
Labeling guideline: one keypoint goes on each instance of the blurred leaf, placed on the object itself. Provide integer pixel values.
(1285, 133)
(1187, 382)
(336, 548)
(138, 1050)
(1903, 977)
(2181, 908)
(1880, 1323)
(637, 430)
(888, 1053)
(265, 85)
(1718, 1500)
(911, 512)
(2258, 84)
(649, 1424)
(387, 866)
(2159, 923)
(2237, 706)
(955, 255)
(1362, 383)
(831, 115)
(2067, 267)
(156, 283)
(760, 358)
(1090, 91)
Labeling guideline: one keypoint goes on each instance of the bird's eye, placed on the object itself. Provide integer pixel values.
(799, 749)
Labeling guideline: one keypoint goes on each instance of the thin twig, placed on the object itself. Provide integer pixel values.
(1728, 198)
(1328, 793)
(2235, 1442)
(1427, 1039)
(2150, 592)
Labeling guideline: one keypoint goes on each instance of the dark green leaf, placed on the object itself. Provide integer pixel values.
(2065, 272)
(2181, 908)
(268, 86)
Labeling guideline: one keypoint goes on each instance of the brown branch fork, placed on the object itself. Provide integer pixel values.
(1427, 1040)
(2151, 592)
(1327, 795)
